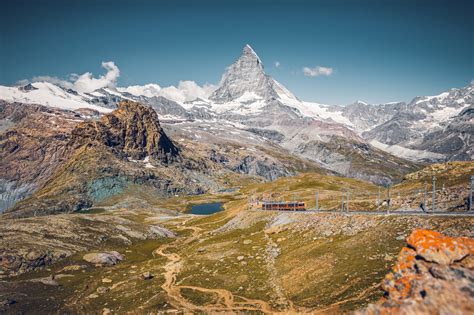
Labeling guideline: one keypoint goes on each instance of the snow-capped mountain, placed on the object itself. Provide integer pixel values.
(246, 79)
(249, 98)
(412, 126)
(49, 94)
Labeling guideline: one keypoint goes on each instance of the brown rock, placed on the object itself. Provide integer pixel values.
(433, 275)
(132, 130)
(435, 247)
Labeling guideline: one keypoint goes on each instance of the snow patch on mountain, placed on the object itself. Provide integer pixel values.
(440, 97)
(51, 95)
(321, 111)
(410, 154)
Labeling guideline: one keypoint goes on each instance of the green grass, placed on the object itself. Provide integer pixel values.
(198, 297)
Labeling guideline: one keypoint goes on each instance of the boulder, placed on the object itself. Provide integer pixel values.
(147, 275)
(104, 259)
(433, 275)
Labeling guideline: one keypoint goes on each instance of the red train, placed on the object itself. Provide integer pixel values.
(284, 206)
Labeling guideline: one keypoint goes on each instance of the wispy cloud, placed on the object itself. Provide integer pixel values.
(185, 91)
(85, 82)
(55, 80)
(277, 64)
(317, 71)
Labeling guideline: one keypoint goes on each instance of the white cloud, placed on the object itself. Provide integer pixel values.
(186, 91)
(317, 71)
(277, 64)
(85, 82)
(54, 80)
(148, 90)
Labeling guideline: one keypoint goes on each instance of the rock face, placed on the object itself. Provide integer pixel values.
(33, 144)
(132, 130)
(434, 274)
(455, 138)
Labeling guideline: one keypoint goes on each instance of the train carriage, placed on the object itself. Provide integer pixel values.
(284, 206)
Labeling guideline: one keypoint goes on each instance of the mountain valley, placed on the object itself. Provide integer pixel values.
(97, 190)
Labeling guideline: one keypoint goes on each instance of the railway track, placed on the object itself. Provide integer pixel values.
(391, 212)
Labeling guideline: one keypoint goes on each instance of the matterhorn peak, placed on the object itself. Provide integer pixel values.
(248, 51)
(246, 75)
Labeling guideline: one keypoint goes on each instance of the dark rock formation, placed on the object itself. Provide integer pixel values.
(27, 88)
(133, 130)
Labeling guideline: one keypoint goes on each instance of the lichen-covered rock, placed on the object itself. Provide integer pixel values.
(435, 247)
(434, 274)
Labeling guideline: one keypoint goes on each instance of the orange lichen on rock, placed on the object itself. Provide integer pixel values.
(435, 247)
(434, 274)
(398, 284)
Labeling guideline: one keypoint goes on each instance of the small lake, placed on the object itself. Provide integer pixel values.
(207, 208)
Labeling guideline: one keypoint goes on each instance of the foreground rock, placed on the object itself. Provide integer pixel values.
(434, 274)
(104, 259)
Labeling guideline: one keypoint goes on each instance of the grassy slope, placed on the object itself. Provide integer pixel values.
(320, 261)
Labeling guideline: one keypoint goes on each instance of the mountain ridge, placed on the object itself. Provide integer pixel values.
(249, 100)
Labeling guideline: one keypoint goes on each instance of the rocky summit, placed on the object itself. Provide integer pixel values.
(247, 75)
(133, 131)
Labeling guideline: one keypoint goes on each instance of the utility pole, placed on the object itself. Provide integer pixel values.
(470, 192)
(342, 203)
(388, 199)
(424, 196)
(378, 199)
(317, 197)
(347, 199)
(294, 202)
(434, 193)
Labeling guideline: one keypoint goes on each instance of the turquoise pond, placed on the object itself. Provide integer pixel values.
(207, 208)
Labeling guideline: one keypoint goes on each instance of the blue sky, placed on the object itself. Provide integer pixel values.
(379, 51)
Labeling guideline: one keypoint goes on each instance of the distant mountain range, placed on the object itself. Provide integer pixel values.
(249, 96)
(249, 124)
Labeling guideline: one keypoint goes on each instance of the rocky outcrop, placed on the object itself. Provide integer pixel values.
(104, 259)
(434, 274)
(261, 167)
(133, 131)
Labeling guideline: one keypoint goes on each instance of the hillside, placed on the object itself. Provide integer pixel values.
(234, 260)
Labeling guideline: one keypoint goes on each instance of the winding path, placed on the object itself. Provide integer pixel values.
(225, 299)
